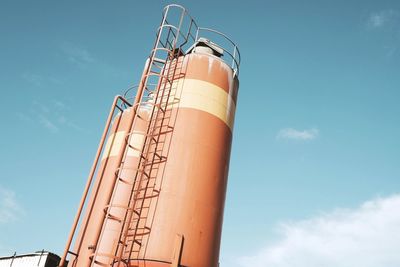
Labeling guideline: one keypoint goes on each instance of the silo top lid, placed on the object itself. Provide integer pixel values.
(205, 42)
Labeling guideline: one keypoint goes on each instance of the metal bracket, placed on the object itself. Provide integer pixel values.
(178, 248)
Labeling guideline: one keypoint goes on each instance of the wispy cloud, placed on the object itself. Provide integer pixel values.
(78, 56)
(39, 80)
(10, 210)
(60, 105)
(294, 134)
(386, 26)
(83, 59)
(52, 116)
(48, 124)
(382, 18)
(368, 236)
(23, 117)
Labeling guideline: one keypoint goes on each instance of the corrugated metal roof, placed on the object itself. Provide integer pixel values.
(37, 259)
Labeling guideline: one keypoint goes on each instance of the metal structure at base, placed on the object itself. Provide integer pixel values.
(155, 194)
(37, 259)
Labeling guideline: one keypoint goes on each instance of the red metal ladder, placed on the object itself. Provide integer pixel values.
(152, 158)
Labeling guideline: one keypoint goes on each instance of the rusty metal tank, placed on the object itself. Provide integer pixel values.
(108, 178)
(192, 195)
(162, 165)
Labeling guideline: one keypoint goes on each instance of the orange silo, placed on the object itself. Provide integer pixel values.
(159, 192)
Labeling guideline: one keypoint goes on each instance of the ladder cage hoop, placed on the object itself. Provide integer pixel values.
(227, 45)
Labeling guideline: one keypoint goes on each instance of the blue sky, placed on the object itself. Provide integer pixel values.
(315, 160)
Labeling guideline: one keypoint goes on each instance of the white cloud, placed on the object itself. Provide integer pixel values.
(39, 80)
(60, 105)
(10, 210)
(23, 117)
(51, 115)
(290, 133)
(48, 124)
(32, 78)
(85, 60)
(377, 20)
(77, 55)
(368, 236)
(382, 18)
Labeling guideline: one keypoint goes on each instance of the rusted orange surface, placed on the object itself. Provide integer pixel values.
(194, 181)
(103, 186)
(191, 183)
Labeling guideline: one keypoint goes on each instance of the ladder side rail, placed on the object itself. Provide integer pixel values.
(145, 82)
(166, 77)
(138, 179)
(166, 146)
(128, 214)
(169, 81)
(158, 136)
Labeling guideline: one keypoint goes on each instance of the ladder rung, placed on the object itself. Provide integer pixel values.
(156, 153)
(162, 76)
(155, 162)
(143, 231)
(143, 209)
(141, 170)
(162, 126)
(165, 132)
(139, 209)
(145, 188)
(159, 156)
(159, 60)
(156, 150)
(148, 196)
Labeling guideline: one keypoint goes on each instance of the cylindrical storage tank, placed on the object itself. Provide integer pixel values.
(91, 225)
(193, 183)
(95, 214)
(94, 228)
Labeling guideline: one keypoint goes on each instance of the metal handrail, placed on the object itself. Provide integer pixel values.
(232, 52)
(234, 55)
(127, 91)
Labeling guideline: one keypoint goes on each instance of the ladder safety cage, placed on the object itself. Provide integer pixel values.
(118, 106)
(225, 43)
